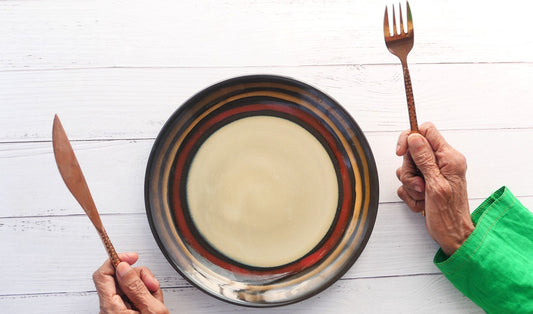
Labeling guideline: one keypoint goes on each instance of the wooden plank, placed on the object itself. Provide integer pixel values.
(116, 72)
(60, 253)
(135, 103)
(115, 171)
(52, 239)
(494, 157)
(429, 294)
(384, 295)
(262, 33)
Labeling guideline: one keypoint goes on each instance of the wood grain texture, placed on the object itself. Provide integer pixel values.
(116, 70)
(63, 34)
(399, 246)
(75, 237)
(135, 103)
(115, 171)
(433, 293)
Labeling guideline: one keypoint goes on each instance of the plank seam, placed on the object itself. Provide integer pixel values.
(150, 138)
(262, 66)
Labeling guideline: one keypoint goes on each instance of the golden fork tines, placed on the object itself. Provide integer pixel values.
(400, 43)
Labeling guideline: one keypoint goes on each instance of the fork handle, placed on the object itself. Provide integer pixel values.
(410, 97)
(411, 106)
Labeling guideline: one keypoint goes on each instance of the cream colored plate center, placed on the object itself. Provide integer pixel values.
(263, 191)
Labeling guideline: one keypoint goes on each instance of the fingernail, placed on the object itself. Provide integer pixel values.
(418, 188)
(122, 269)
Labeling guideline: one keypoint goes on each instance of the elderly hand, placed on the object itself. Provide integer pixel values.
(137, 284)
(439, 188)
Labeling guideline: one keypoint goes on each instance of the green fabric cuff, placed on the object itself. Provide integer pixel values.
(493, 266)
(499, 201)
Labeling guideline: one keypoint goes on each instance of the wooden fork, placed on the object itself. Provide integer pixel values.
(399, 44)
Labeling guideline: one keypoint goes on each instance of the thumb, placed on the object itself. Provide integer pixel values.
(133, 287)
(423, 156)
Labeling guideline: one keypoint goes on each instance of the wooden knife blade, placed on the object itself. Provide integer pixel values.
(72, 175)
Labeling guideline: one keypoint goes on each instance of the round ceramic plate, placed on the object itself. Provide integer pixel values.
(261, 190)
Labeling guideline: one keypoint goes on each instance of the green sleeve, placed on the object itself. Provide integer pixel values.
(494, 267)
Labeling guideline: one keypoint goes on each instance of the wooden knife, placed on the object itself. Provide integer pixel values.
(71, 172)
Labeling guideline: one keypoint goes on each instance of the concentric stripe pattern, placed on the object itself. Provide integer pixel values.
(204, 114)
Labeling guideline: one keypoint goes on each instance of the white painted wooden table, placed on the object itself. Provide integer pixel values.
(115, 71)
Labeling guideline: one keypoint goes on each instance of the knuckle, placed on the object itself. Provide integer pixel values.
(424, 127)
(424, 157)
(162, 310)
(408, 182)
(460, 162)
(155, 308)
(97, 275)
(404, 176)
(110, 305)
(429, 124)
(137, 287)
(427, 161)
(401, 192)
(455, 162)
(144, 271)
(404, 196)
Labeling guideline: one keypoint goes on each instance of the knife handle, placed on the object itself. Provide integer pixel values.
(114, 259)
(109, 248)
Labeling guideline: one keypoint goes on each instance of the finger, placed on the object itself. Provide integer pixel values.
(130, 258)
(134, 288)
(401, 147)
(399, 173)
(414, 185)
(434, 137)
(104, 281)
(108, 292)
(415, 205)
(411, 175)
(151, 283)
(423, 156)
(411, 178)
(158, 295)
(106, 288)
(148, 278)
(424, 127)
(107, 268)
(409, 166)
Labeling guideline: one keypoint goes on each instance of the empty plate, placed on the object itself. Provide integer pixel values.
(261, 190)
